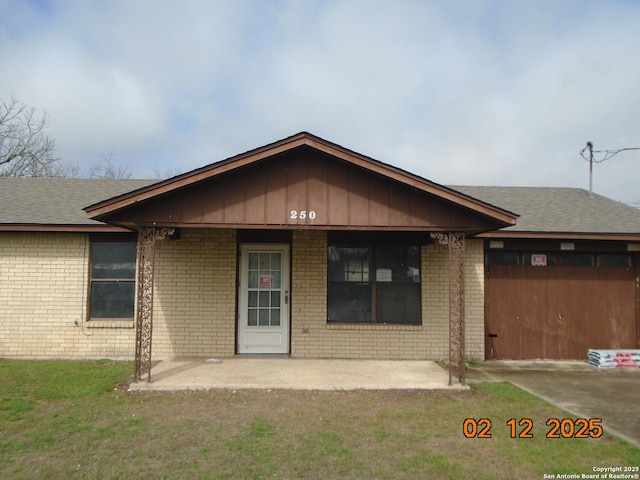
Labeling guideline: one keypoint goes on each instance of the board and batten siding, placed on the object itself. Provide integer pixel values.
(302, 189)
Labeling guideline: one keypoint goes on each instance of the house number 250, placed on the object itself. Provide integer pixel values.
(302, 214)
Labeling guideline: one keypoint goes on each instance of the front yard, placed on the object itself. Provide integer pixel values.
(72, 419)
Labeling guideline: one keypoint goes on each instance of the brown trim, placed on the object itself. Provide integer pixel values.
(282, 236)
(109, 237)
(542, 245)
(633, 237)
(239, 226)
(8, 227)
(106, 207)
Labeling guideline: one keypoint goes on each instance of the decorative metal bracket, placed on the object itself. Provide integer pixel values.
(456, 243)
(147, 237)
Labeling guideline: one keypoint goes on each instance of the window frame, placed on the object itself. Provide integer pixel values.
(93, 280)
(373, 242)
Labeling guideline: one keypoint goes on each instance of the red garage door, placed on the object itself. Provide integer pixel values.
(559, 311)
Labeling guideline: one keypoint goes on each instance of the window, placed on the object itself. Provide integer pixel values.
(374, 284)
(502, 258)
(576, 260)
(614, 260)
(113, 271)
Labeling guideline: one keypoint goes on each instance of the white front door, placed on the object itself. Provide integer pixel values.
(263, 299)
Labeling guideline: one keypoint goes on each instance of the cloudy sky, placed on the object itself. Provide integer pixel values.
(461, 92)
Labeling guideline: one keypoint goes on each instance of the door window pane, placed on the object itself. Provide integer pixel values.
(263, 299)
(263, 317)
(275, 317)
(252, 317)
(253, 260)
(253, 279)
(253, 299)
(275, 261)
(265, 264)
(264, 289)
(275, 299)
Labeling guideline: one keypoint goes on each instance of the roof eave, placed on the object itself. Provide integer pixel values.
(106, 207)
(62, 228)
(499, 234)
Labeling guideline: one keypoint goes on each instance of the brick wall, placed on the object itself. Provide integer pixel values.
(311, 336)
(195, 295)
(43, 300)
(44, 291)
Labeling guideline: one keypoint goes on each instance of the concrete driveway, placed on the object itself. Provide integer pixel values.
(580, 389)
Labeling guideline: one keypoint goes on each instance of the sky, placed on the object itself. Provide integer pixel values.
(460, 92)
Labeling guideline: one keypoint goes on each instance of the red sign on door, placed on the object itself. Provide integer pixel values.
(266, 281)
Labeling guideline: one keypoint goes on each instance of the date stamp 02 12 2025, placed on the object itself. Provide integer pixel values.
(523, 428)
(558, 428)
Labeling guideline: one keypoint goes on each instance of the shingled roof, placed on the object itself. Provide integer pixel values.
(55, 204)
(559, 212)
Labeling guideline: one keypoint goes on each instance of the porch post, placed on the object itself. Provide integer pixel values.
(147, 237)
(455, 242)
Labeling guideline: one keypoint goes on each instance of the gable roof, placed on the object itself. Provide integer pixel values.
(102, 210)
(560, 213)
(58, 204)
(55, 204)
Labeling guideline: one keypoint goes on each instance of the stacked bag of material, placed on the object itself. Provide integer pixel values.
(614, 358)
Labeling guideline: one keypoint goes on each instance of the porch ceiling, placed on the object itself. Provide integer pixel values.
(302, 182)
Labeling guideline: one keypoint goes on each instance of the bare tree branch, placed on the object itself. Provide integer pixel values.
(107, 169)
(25, 150)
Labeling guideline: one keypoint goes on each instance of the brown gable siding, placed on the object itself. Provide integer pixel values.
(266, 195)
(109, 210)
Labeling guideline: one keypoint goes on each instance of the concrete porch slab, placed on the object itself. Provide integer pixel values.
(286, 373)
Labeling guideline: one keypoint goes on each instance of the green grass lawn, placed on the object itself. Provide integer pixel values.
(72, 419)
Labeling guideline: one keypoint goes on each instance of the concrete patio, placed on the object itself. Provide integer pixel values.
(286, 373)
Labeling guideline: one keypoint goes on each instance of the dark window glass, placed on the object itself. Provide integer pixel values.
(502, 258)
(398, 303)
(113, 260)
(614, 260)
(378, 284)
(576, 260)
(349, 264)
(349, 302)
(398, 264)
(113, 271)
(112, 299)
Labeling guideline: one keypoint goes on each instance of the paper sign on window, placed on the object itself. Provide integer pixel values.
(383, 275)
(539, 260)
(266, 281)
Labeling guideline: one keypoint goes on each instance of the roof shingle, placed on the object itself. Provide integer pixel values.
(560, 210)
(56, 201)
(60, 202)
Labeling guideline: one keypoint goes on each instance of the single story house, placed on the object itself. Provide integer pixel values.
(306, 248)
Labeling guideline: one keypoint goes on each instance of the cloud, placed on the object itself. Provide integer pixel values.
(486, 92)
